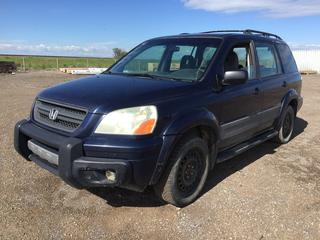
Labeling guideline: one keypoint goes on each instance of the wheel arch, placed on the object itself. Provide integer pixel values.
(194, 118)
(290, 99)
(194, 123)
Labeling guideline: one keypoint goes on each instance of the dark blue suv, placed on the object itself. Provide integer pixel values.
(166, 113)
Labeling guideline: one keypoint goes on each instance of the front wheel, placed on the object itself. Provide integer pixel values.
(287, 126)
(186, 175)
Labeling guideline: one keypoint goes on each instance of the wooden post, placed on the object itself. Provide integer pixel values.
(23, 64)
(58, 64)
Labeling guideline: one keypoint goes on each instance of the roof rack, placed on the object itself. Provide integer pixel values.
(247, 31)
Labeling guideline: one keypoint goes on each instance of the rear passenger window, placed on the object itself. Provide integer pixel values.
(268, 63)
(287, 59)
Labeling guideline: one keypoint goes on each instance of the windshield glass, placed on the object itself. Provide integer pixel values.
(177, 59)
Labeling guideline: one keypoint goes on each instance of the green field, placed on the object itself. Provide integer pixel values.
(51, 63)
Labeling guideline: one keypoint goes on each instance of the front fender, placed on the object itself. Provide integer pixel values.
(181, 124)
(190, 119)
(199, 117)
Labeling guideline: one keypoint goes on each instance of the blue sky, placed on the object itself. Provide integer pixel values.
(93, 28)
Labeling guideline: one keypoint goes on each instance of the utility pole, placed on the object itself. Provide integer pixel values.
(57, 63)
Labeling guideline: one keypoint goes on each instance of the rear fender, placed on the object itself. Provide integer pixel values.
(292, 94)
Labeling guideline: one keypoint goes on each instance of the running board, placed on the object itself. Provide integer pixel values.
(242, 147)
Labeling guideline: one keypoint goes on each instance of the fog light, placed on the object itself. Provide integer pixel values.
(111, 176)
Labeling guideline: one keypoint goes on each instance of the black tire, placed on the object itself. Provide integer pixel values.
(186, 174)
(286, 127)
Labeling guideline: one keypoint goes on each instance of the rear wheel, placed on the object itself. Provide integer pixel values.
(185, 177)
(287, 126)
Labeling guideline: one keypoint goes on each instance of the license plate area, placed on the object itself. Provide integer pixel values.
(43, 152)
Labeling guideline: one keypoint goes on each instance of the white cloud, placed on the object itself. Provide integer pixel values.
(273, 8)
(100, 49)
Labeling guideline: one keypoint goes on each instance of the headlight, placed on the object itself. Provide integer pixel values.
(129, 121)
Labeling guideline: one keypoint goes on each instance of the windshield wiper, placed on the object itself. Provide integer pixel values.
(176, 79)
(131, 74)
(107, 72)
(147, 75)
(155, 76)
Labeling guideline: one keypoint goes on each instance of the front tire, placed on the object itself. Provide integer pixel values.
(186, 175)
(287, 126)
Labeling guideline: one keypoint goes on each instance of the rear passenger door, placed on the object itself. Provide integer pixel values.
(273, 81)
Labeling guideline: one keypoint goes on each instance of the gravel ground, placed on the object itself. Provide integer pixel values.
(269, 192)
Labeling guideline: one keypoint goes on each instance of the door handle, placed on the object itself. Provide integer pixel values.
(284, 84)
(256, 91)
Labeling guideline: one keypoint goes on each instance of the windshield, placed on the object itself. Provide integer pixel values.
(177, 59)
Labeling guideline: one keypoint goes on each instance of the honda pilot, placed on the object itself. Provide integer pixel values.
(166, 113)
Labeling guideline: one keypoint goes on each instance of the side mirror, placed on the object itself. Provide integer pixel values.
(235, 77)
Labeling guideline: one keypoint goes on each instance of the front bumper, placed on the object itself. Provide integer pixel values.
(78, 169)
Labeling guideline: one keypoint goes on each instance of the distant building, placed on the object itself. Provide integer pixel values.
(308, 59)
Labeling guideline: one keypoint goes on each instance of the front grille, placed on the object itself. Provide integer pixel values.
(68, 118)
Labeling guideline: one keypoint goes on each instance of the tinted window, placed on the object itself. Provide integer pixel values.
(268, 64)
(287, 59)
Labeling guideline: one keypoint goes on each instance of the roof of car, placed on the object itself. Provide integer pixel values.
(234, 34)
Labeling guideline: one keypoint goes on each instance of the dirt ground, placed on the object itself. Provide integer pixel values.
(269, 192)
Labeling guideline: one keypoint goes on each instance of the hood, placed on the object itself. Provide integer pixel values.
(105, 92)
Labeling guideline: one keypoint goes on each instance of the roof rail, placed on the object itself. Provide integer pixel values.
(247, 31)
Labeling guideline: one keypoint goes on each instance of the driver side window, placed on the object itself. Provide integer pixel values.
(240, 58)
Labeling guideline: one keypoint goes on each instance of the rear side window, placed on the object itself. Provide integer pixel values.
(267, 57)
(287, 59)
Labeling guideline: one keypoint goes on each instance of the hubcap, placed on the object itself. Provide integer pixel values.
(190, 171)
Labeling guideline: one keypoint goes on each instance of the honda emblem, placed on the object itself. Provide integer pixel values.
(53, 114)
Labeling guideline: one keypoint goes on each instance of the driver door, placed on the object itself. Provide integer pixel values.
(240, 104)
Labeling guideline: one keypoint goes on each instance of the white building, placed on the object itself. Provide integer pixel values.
(307, 59)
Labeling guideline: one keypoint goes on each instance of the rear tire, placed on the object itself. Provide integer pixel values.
(287, 126)
(186, 174)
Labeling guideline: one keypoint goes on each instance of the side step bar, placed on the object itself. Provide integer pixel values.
(242, 147)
